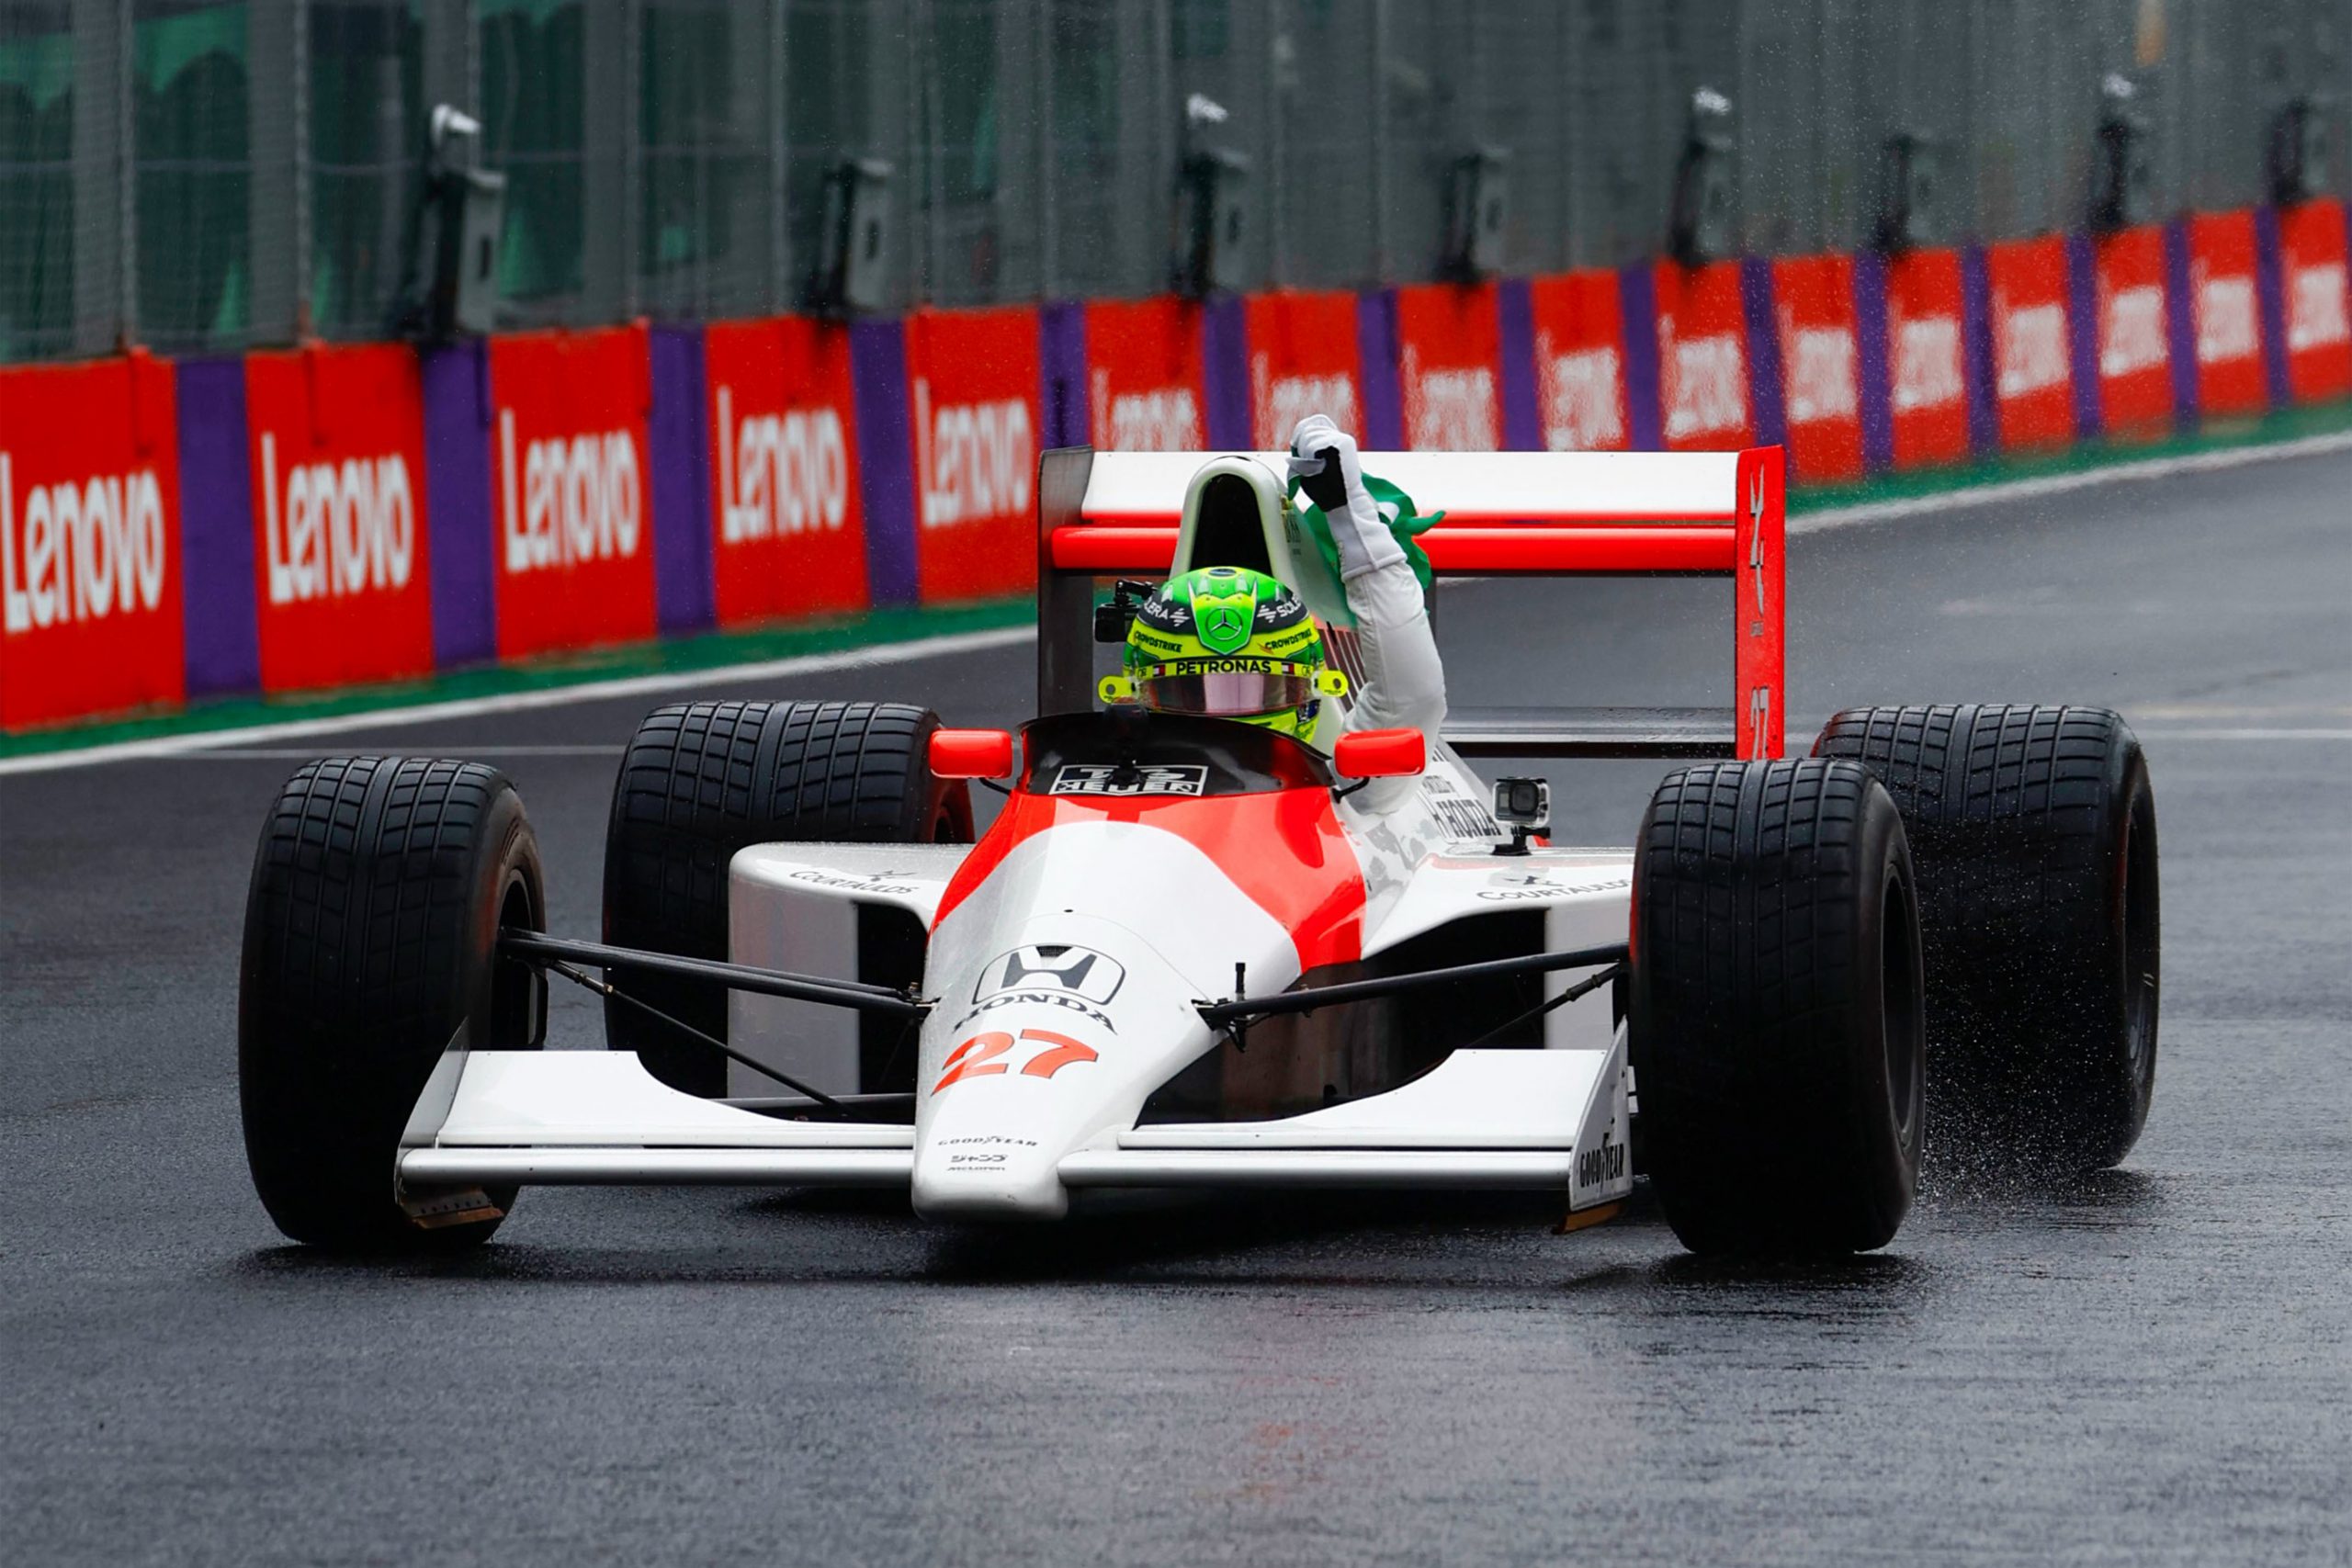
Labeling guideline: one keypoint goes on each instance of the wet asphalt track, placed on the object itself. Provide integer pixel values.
(2152, 1365)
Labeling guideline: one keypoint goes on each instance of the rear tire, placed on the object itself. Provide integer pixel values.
(371, 930)
(1774, 1012)
(2035, 834)
(704, 779)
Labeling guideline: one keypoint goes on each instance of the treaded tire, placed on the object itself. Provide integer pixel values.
(371, 928)
(2034, 829)
(704, 779)
(1774, 1007)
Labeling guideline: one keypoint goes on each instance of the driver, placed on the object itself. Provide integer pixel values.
(1229, 641)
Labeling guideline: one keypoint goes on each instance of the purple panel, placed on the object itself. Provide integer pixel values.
(1976, 331)
(885, 464)
(685, 594)
(1383, 402)
(1522, 421)
(2180, 325)
(1637, 295)
(1766, 385)
(2082, 333)
(1061, 367)
(2270, 290)
(217, 528)
(1878, 387)
(1225, 370)
(456, 502)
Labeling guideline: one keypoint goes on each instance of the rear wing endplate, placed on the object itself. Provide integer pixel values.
(1102, 514)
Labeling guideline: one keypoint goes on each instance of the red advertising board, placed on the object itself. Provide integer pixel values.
(1579, 324)
(341, 585)
(571, 484)
(2319, 300)
(787, 529)
(1144, 387)
(90, 587)
(2033, 382)
(1820, 370)
(2134, 354)
(972, 390)
(1449, 367)
(1926, 362)
(1702, 358)
(1303, 360)
(2225, 313)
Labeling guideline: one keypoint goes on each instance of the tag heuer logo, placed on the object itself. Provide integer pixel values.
(1079, 971)
(1105, 778)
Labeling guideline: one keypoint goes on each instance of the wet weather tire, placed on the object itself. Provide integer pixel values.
(371, 930)
(1774, 1008)
(2034, 830)
(704, 779)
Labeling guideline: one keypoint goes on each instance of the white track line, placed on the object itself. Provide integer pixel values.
(2059, 484)
(519, 702)
(971, 642)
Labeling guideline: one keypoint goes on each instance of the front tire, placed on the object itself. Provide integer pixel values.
(1774, 1015)
(378, 890)
(2035, 833)
(704, 779)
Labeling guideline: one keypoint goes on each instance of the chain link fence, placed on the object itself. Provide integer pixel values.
(205, 176)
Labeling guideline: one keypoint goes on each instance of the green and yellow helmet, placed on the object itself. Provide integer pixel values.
(1232, 643)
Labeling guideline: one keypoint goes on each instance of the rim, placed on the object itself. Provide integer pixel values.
(514, 986)
(1902, 1015)
(2141, 953)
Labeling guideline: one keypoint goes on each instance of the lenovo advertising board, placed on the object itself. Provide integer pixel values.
(2225, 313)
(1702, 357)
(573, 547)
(972, 389)
(1820, 365)
(1304, 359)
(787, 528)
(2318, 299)
(2033, 383)
(1927, 359)
(1145, 386)
(342, 588)
(1579, 324)
(2134, 358)
(91, 615)
(1449, 367)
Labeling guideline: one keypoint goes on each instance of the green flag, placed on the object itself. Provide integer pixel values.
(1395, 510)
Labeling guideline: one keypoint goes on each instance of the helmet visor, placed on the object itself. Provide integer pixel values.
(1229, 693)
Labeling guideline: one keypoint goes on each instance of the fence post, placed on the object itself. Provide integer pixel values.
(277, 191)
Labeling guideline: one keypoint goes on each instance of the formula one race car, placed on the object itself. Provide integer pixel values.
(1189, 952)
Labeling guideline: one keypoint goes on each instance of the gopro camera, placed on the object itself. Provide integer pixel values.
(1523, 806)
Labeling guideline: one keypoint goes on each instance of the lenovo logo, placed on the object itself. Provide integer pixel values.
(2030, 345)
(1450, 411)
(2315, 308)
(2228, 321)
(974, 459)
(1927, 364)
(1165, 419)
(1279, 402)
(1706, 386)
(1583, 410)
(780, 473)
(86, 549)
(582, 499)
(1821, 374)
(2132, 335)
(336, 528)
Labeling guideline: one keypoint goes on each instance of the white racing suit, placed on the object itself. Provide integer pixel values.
(1404, 680)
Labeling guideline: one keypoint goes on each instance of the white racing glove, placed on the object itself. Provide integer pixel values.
(1323, 459)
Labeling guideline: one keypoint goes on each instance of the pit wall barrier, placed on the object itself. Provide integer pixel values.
(327, 516)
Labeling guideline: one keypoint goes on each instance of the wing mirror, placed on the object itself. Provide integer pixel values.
(1380, 754)
(971, 753)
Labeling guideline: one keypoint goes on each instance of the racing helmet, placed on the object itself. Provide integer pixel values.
(1228, 642)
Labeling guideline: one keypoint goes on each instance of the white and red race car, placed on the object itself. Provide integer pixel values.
(1189, 952)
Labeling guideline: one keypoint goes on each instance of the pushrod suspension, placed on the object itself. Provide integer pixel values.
(1218, 1014)
(535, 948)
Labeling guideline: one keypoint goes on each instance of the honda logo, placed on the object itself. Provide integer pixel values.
(1076, 971)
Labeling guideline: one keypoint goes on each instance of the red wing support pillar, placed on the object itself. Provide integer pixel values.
(1759, 572)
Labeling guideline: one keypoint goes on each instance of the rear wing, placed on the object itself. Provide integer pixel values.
(1105, 515)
